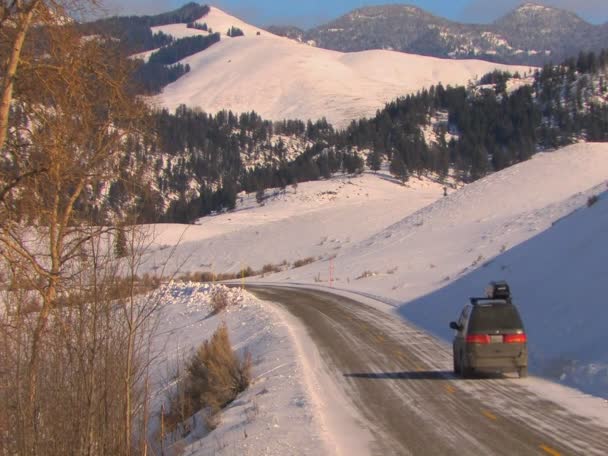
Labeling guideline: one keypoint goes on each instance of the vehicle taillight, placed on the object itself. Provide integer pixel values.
(478, 339)
(514, 338)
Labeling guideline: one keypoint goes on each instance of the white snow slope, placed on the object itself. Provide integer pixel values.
(318, 219)
(282, 79)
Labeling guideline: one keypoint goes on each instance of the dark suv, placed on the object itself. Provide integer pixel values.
(490, 335)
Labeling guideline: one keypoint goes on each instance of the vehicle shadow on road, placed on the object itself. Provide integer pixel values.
(405, 375)
(423, 375)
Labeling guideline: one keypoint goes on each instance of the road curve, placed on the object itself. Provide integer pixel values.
(400, 380)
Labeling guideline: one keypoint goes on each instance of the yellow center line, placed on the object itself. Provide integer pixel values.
(450, 389)
(550, 450)
(489, 415)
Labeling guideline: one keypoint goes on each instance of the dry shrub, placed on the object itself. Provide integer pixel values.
(365, 275)
(303, 262)
(220, 300)
(592, 200)
(269, 268)
(215, 376)
(226, 276)
(207, 276)
(247, 272)
(200, 276)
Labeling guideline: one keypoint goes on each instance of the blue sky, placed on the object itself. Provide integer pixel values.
(308, 13)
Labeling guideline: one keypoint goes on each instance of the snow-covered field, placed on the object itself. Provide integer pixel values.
(316, 219)
(422, 254)
(283, 79)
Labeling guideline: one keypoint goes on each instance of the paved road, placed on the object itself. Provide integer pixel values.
(400, 379)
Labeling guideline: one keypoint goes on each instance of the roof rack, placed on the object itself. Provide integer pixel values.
(476, 301)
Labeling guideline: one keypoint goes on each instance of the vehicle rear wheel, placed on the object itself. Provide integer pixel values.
(523, 372)
(465, 371)
(456, 366)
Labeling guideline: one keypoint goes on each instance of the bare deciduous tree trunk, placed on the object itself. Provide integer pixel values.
(23, 21)
(73, 330)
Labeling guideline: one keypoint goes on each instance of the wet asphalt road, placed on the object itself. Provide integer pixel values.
(400, 380)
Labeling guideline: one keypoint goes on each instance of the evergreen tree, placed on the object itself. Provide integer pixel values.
(260, 195)
(120, 243)
(398, 168)
(353, 163)
(374, 160)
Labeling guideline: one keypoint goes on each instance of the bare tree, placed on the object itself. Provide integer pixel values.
(74, 332)
(17, 18)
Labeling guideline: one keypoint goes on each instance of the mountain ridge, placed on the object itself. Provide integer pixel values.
(531, 34)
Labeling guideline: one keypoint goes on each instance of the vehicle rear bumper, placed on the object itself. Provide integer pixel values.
(485, 360)
(498, 364)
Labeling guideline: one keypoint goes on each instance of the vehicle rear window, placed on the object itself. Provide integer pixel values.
(495, 317)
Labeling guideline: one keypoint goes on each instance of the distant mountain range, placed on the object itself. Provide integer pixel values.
(531, 34)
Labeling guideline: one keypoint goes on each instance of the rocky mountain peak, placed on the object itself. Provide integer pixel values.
(535, 14)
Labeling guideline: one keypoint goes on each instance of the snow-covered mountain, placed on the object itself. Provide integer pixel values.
(531, 34)
(281, 78)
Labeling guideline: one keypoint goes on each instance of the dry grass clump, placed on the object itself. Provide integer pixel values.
(215, 376)
(221, 299)
(366, 274)
(592, 200)
(199, 276)
(270, 268)
(303, 262)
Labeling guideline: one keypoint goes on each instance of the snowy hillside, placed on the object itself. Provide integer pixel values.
(558, 279)
(280, 78)
(316, 219)
(464, 230)
(500, 227)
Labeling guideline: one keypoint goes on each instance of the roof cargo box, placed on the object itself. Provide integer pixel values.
(498, 290)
